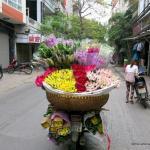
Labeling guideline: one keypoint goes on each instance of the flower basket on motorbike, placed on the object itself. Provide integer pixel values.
(84, 101)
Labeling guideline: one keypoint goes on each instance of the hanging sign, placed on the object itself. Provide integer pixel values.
(34, 38)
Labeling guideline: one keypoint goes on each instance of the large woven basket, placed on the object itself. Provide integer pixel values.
(76, 102)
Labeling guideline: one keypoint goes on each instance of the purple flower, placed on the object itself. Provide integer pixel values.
(51, 41)
(68, 42)
(92, 58)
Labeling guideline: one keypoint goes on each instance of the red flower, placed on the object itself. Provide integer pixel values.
(93, 50)
(81, 80)
(76, 67)
(90, 68)
(78, 74)
(80, 88)
(39, 80)
(49, 71)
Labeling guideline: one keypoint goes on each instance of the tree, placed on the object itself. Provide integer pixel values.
(69, 26)
(56, 23)
(83, 6)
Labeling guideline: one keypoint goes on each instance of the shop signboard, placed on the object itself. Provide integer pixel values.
(34, 38)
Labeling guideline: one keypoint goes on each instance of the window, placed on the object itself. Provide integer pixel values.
(15, 3)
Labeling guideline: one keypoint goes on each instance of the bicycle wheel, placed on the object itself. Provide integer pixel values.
(27, 69)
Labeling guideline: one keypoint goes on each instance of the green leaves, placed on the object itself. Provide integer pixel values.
(56, 24)
(70, 27)
(120, 28)
(45, 52)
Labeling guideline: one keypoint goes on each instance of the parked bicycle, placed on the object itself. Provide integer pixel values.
(21, 67)
(1, 72)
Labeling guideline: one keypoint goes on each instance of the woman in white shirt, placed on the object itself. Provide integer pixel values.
(130, 72)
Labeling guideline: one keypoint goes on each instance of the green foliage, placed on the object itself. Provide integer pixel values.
(90, 29)
(70, 27)
(45, 52)
(56, 24)
(93, 30)
(120, 28)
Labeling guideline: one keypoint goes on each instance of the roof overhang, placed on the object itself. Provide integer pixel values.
(144, 35)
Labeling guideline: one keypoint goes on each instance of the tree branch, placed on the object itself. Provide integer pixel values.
(85, 10)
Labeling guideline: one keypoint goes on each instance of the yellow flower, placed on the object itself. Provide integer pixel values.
(62, 80)
(94, 120)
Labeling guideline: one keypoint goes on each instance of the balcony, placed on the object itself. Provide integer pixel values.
(15, 4)
(11, 12)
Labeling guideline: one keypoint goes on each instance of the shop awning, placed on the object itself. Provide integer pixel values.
(140, 36)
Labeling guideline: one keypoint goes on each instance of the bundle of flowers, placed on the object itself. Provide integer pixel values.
(93, 123)
(58, 124)
(91, 56)
(57, 52)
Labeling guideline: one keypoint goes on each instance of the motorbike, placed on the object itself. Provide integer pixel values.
(1, 72)
(22, 67)
(141, 90)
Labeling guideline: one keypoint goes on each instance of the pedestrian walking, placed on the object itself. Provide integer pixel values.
(130, 72)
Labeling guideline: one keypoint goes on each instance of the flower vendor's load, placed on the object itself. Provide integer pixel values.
(59, 125)
(76, 79)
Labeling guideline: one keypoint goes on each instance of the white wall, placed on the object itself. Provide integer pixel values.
(24, 11)
(4, 49)
(39, 11)
(141, 6)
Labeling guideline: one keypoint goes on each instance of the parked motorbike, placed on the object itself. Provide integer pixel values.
(141, 90)
(21, 67)
(1, 72)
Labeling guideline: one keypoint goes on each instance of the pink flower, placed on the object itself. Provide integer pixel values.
(93, 50)
(39, 80)
(49, 71)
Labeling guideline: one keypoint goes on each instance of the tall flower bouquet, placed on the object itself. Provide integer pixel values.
(57, 52)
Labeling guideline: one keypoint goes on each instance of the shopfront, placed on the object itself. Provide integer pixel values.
(26, 45)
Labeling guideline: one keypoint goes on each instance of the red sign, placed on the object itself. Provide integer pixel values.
(34, 38)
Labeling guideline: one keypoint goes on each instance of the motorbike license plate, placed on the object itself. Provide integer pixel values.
(142, 91)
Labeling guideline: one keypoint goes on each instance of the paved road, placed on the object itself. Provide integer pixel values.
(21, 111)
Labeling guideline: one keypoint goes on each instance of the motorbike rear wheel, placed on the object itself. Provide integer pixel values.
(10, 70)
(27, 69)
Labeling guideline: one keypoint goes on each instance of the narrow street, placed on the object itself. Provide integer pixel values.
(21, 110)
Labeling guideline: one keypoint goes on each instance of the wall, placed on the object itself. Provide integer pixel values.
(4, 49)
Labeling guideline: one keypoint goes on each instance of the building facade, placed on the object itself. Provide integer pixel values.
(141, 30)
(19, 26)
(11, 13)
(27, 35)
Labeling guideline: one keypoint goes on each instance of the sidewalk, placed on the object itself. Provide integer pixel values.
(11, 81)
